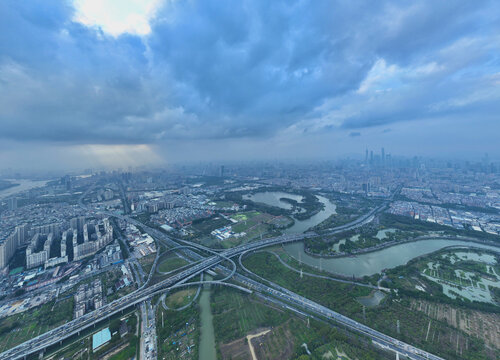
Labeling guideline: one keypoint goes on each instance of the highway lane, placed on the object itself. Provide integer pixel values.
(75, 326)
(290, 297)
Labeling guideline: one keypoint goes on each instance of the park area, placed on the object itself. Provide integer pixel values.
(238, 228)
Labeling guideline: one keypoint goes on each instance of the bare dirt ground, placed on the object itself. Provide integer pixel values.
(237, 350)
(275, 344)
(255, 336)
(483, 325)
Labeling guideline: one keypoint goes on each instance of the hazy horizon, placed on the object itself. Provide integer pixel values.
(105, 84)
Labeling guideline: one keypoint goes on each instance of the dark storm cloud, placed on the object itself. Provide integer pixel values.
(229, 69)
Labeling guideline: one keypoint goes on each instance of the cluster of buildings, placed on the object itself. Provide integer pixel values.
(143, 244)
(111, 255)
(88, 297)
(225, 233)
(183, 210)
(95, 237)
(18, 226)
(152, 206)
(48, 248)
(458, 219)
(125, 280)
(433, 194)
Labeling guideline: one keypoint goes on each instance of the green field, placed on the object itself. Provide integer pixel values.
(170, 263)
(444, 340)
(176, 330)
(147, 262)
(237, 315)
(180, 298)
(18, 328)
(206, 226)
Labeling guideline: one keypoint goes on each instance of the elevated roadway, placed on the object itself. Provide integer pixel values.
(73, 327)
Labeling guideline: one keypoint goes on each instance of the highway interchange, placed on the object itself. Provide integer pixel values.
(270, 292)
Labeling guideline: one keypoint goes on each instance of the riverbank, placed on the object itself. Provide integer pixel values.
(395, 243)
(4, 185)
(368, 264)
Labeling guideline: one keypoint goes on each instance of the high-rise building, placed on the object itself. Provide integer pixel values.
(383, 156)
(22, 232)
(9, 245)
(371, 157)
(221, 171)
(95, 237)
(34, 257)
(366, 156)
(12, 203)
(77, 223)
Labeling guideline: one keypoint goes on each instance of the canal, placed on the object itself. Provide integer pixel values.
(207, 336)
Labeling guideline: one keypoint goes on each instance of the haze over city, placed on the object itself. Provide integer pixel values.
(101, 83)
(249, 179)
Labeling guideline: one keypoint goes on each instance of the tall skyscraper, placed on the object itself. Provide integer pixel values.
(371, 157)
(221, 171)
(366, 156)
(383, 156)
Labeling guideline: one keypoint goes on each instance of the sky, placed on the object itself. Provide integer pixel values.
(114, 83)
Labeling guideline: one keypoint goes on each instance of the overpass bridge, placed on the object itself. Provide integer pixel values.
(41, 342)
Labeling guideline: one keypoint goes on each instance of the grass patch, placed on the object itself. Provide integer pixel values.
(21, 327)
(180, 298)
(170, 263)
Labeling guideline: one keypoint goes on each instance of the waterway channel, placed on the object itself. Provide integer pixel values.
(363, 264)
(207, 337)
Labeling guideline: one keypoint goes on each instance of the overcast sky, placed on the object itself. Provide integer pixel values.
(128, 82)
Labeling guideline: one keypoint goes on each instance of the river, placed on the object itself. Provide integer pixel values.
(375, 262)
(24, 185)
(272, 198)
(364, 264)
(207, 337)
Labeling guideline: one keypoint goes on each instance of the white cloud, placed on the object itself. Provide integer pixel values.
(117, 16)
(379, 73)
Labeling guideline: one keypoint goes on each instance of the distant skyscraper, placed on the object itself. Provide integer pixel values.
(371, 157)
(221, 171)
(366, 156)
(383, 156)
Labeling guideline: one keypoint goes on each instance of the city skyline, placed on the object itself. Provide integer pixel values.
(160, 82)
(249, 179)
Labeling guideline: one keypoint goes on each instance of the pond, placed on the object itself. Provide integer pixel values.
(373, 299)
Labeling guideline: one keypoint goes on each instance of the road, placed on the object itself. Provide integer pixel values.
(144, 293)
(148, 332)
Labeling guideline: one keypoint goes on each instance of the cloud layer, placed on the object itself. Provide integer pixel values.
(212, 70)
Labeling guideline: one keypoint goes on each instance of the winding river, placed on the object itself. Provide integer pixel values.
(375, 262)
(363, 264)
